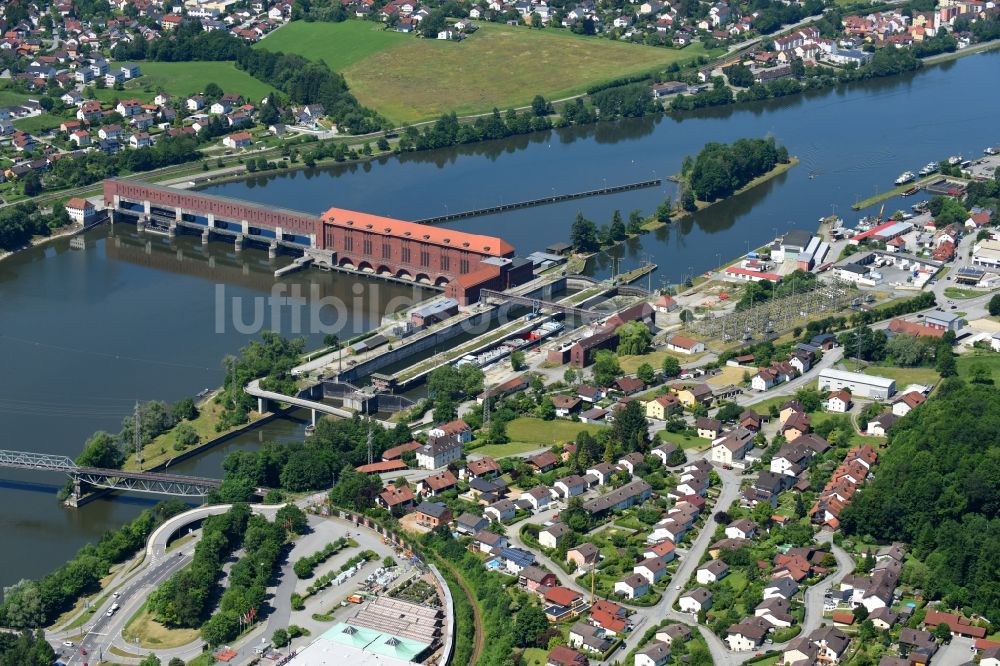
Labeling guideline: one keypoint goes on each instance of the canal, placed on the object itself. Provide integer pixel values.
(87, 333)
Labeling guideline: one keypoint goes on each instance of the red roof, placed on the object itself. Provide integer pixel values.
(386, 226)
(562, 596)
(872, 232)
(843, 617)
(397, 451)
(608, 621)
(384, 466)
(773, 277)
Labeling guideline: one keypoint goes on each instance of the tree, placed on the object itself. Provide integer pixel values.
(671, 366)
(529, 626)
(184, 409)
(175, 661)
(646, 373)
(583, 235)
(942, 632)
(279, 638)
(606, 368)
(355, 490)
(184, 436)
(994, 305)
(570, 376)
(546, 409)
(980, 373)
(23, 605)
(540, 107)
(516, 360)
(32, 184)
(213, 91)
(729, 412)
(810, 398)
(633, 338)
(631, 429)
(150, 660)
(101, 450)
(945, 361)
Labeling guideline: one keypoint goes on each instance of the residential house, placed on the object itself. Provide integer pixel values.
(482, 468)
(435, 484)
(776, 611)
(783, 587)
(664, 451)
(695, 601)
(879, 426)
(458, 429)
(674, 632)
(632, 586)
(396, 500)
(240, 140)
(665, 550)
(631, 462)
(538, 497)
(632, 493)
(708, 428)
(748, 634)
(140, 140)
(583, 556)
(80, 210)
(561, 655)
(602, 472)
(839, 402)
(733, 447)
(439, 452)
(743, 528)
(711, 572)
(662, 406)
(500, 510)
(570, 486)
(587, 637)
(628, 385)
(515, 560)
(470, 523)
(589, 393)
(544, 461)
(694, 395)
(565, 404)
(685, 345)
(907, 402)
(432, 514)
(551, 536)
(654, 654)
(652, 569)
(535, 579)
(488, 542)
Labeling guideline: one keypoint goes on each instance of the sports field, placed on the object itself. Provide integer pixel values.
(410, 79)
(181, 79)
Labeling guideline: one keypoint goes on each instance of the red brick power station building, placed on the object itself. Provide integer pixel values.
(460, 263)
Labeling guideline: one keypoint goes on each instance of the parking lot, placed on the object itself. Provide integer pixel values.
(984, 167)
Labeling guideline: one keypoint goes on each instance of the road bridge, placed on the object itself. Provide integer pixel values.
(264, 397)
(536, 304)
(158, 483)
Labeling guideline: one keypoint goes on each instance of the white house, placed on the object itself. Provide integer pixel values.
(652, 569)
(632, 587)
(552, 535)
(538, 497)
(570, 486)
(500, 510)
(695, 601)
(711, 572)
(654, 654)
(839, 402)
(685, 345)
(741, 529)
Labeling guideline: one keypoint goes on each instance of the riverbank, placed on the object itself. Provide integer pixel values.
(39, 241)
(896, 191)
(778, 169)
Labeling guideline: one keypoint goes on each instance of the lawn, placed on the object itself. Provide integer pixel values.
(535, 657)
(528, 434)
(958, 292)
(38, 124)
(684, 441)
(990, 360)
(152, 634)
(11, 98)
(905, 376)
(181, 79)
(339, 45)
(630, 364)
(499, 66)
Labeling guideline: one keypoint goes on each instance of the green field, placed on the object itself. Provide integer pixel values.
(990, 360)
(528, 434)
(181, 79)
(905, 376)
(337, 44)
(38, 124)
(11, 98)
(684, 441)
(408, 79)
(958, 292)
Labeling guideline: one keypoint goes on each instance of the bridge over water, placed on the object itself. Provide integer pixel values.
(157, 483)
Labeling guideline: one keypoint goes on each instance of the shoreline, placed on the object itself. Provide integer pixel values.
(41, 241)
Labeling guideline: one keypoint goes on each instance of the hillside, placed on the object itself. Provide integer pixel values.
(409, 79)
(938, 488)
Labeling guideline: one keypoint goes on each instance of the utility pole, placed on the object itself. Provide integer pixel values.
(486, 409)
(137, 438)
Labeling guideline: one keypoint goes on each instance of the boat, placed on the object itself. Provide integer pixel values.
(905, 178)
(930, 168)
(911, 191)
(954, 159)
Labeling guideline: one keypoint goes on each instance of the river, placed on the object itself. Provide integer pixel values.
(87, 333)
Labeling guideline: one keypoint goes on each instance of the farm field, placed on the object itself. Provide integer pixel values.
(181, 79)
(339, 45)
(409, 79)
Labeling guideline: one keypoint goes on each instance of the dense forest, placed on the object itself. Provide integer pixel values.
(938, 489)
(20, 223)
(720, 169)
(25, 649)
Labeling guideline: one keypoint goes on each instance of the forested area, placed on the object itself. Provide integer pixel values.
(301, 80)
(20, 223)
(25, 649)
(270, 359)
(309, 465)
(720, 169)
(38, 603)
(93, 166)
(938, 489)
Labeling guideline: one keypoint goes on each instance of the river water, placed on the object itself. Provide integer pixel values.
(83, 334)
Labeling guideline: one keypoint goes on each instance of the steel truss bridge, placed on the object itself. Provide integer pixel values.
(157, 483)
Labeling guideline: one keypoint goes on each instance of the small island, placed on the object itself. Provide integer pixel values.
(720, 170)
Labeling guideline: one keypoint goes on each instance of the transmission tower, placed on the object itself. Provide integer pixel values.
(486, 409)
